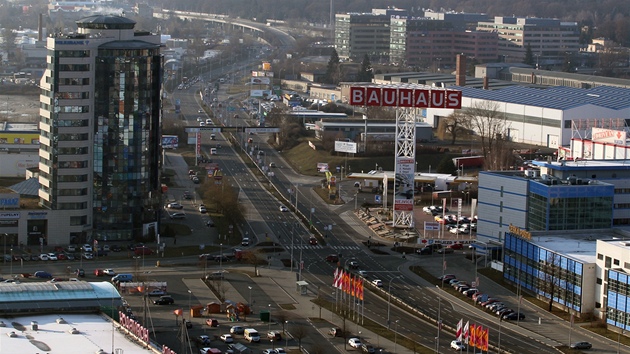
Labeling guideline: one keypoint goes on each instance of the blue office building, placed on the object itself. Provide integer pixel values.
(553, 265)
(540, 202)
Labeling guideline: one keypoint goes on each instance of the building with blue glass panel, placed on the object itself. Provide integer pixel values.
(613, 281)
(558, 266)
(536, 202)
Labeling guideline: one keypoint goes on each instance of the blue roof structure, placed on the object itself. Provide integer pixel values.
(560, 97)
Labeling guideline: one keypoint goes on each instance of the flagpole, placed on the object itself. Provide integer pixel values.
(500, 321)
(437, 338)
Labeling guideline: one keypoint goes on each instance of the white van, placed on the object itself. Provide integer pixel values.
(213, 151)
(252, 335)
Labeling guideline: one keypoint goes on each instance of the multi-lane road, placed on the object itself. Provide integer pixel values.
(286, 229)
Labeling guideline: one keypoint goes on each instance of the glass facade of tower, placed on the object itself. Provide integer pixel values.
(126, 140)
(569, 207)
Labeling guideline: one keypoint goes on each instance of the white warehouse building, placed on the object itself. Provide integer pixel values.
(545, 117)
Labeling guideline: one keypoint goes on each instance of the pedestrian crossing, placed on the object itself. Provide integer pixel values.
(320, 247)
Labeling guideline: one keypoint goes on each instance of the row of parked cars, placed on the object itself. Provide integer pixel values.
(491, 304)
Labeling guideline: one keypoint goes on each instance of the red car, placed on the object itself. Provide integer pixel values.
(99, 272)
(457, 246)
(62, 257)
(144, 250)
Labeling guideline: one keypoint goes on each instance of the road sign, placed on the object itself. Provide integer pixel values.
(378, 198)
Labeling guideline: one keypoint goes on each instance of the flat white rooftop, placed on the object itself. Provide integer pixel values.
(579, 244)
(95, 332)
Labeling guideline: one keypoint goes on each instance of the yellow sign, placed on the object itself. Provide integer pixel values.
(520, 232)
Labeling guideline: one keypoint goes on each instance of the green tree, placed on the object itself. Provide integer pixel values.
(446, 165)
(529, 56)
(365, 73)
(332, 69)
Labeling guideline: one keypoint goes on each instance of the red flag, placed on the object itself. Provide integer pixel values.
(361, 289)
(471, 338)
(479, 337)
(335, 277)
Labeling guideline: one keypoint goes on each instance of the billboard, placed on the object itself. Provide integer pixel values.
(617, 137)
(9, 200)
(170, 141)
(404, 184)
(260, 93)
(347, 147)
(322, 167)
(262, 73)
(405, 97)
(260, 81)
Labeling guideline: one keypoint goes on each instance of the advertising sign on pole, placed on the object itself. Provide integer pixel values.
(404, 184)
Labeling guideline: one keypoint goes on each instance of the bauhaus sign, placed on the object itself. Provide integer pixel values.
(405, 97)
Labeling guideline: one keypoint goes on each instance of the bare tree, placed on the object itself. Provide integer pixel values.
(299, 332)
(251, 257)
(486, 120)
(456, 124)
(549, 279)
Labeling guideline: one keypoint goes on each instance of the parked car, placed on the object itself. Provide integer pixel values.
(227, 338)
(335, 332)
(202, 209)
(457, 345)
(212, 322)
(237, 330)
(174, 206)
(52, 257)
(513, 316)
(109, 271)
(144, 250)
(275, 336)
(80, 272)
(157, 292)
(203, 339)
(87, 247)
(581, 345)
(457, 246)
(88, 256)
(446, 250)
(116, 248)
(332, 258)
(367, 348)
(354, 342)
(43, 257)
(177, 216)
(164, 300)
(42, 274)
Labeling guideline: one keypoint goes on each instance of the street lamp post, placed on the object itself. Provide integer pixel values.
(11, 262)
(389, 298)
(250, 296)
(189, 303)
(286, 335)
(221, 256)
(269, 321)
(396, 336)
